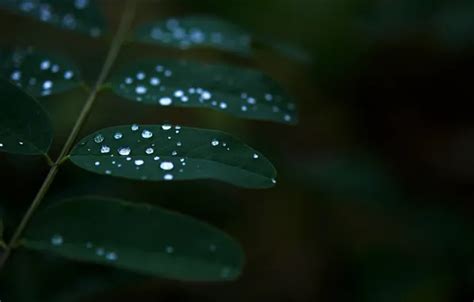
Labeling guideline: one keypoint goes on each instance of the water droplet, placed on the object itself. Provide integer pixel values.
(147, 134)
(215, 142)
(124, 151)
(118, 135)
(141, 90)
(111, 256)
(167, 166)
(99, 138)
(155, 81)
(97, 163)
(256, 156)
(139, 162)
(45, 65)
(57, 240)
(68, 75)
(223, 105)
(135, 127)
(168, 177)
(47, 85)
(166, 127)
(149, 151)
(165, 101)
(169, 249)
(105, 149)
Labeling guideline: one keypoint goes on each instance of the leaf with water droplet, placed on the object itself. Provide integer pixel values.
(39, 73)
(241, 92)
(137, 237)
(78, 15)
(165, 153)
(196, 32)
(25, 127)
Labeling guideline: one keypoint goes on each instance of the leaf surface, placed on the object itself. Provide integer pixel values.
(241, 92)
(196, 31)
(25, 127)
(78, 15)
(39, 73)
(135, 237)
(166, 153)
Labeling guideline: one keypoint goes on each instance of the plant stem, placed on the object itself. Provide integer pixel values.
(117, 42)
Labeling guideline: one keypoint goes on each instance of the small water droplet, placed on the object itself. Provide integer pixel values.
(149, 151)
(105, 149)
(135, 127)
(168, 177)
(166, 127)
(141, 90)
(99, 138)
(139, 162)
(57, 240)
(118, 135)
(147, 134)
(167, 166)
(124, 151)
(111, 256)
(256, 156)
(165, 101)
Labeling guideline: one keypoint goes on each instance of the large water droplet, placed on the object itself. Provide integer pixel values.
(167, 166)
(147, 134)
(124, 151)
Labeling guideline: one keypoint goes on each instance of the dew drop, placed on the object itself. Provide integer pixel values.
(147, 134)
(118, 135)
(139, 162)
(166, 127)
(105, 149)
(99, 138)
(215, 142)
(135, 127)
(167, 166)
(168, 177)
(57, 240)
(124, 151)
(165, 101)
(141, 90)
(149, 151)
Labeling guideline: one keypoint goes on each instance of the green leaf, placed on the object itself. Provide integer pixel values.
(155, 153)
(136, 237)
(196, 31)
(241, 92)
(39, 73)
(78, 15)
(25, 127)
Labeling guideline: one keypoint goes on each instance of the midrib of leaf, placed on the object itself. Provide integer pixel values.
(115, 46)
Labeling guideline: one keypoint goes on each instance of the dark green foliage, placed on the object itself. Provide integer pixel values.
(196, 32)
(24, 125)
(165, 152)
(39, 73)
(78, 15)
(241, 92)
(137, 237)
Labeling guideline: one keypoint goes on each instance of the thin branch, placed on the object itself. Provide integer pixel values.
(125, 23)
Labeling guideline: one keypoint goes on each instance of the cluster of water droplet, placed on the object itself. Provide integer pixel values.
(36, 73)
(46, 12)
(187, 34)
(150, 154)
(151, 86)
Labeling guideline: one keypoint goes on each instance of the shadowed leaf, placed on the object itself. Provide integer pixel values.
(39, 73)
(24, 125)
(196, 31)
(136, 237)
(156, 153)
(79, 15)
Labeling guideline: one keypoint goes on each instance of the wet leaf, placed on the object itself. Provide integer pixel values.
(196, 31)
(25, 127)
(156, 153)
(136, 237)
(39, 73)
(79, 15)
(241, 92)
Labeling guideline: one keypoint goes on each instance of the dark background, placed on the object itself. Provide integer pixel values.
(374, 198)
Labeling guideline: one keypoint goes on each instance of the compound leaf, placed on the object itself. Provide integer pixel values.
(156, 153)
(136, 237)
